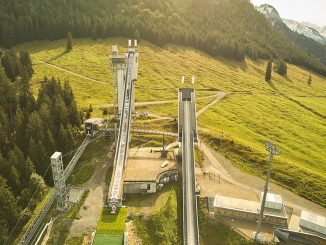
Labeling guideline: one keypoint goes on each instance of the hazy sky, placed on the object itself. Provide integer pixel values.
(313, 11)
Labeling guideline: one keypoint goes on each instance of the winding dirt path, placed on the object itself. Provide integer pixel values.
(219, 96)
(70, 72)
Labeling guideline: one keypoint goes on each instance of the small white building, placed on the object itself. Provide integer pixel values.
(313, 222)
(273, 201)
(246, 209)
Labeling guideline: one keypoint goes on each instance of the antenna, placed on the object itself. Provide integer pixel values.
(129, 43)
(183, 79)
(193, 79)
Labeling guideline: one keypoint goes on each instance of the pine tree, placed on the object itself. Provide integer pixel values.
(310, 80)
(8, 98)
(35, 182)
(8, 35)
(28, 169)
(49, 143)
(62, 144)
(69, 42)
(25, 60)
(137, 34)
(14, 180)
(8, 209)
(39, 156)
(281, 68)
(4, 131)
(5, 167)
(21, 121)
(3, 231)
(268, 75)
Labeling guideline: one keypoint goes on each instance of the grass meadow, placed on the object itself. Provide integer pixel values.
(286, 111)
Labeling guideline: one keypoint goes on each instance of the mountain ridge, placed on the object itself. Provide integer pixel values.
(303, 36)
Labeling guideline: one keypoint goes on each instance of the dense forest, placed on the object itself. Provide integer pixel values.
(229, 28)
(31, 130)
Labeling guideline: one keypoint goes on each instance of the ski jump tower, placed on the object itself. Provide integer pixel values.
(118, 63)
(125, 68)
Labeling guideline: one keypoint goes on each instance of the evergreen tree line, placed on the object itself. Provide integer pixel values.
(31, 130)
(280, 67)
(228, 28)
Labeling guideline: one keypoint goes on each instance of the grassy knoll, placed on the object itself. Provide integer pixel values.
(316, 103)
(247, 120)
(286, 110)
(164, 225)
(199, 156)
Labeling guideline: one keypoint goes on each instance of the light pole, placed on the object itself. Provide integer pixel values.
(272, 150)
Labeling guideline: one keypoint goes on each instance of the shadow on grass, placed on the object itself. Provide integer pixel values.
(271, 84)
(147, 200)
(59, 55)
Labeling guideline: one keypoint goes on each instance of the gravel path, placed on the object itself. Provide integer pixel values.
(219, 96)
(70, 72)
(91, 210)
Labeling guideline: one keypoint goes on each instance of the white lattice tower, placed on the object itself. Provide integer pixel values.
(59, 180)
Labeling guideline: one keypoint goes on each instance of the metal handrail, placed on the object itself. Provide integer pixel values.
(27, 237)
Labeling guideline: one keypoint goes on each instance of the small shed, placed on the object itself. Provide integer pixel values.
(273, 201)
(313, 222)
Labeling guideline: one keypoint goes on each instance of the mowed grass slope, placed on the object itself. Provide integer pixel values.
(286, 111)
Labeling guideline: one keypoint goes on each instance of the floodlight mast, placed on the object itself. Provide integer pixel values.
(272, 150)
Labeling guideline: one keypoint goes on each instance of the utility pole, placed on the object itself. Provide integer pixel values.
(163, 143)
(272, 150)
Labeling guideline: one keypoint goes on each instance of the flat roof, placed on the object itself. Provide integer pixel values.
(245, 206)
(270, 197)
(144, 165)
(313, 218)
(236, 203)
(56, 155)
(94, 120)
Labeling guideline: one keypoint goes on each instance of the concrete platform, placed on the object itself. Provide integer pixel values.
(144, 165)
(148, 170)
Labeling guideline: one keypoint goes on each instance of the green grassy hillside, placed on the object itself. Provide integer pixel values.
(286, 111)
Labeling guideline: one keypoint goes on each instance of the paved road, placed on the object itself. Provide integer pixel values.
(189, 201)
